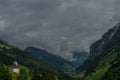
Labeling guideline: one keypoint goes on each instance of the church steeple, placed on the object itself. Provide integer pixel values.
(15, 63)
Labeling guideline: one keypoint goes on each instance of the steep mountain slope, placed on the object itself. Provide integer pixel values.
(107, 67)
(55, 61)
(114, 70)
(104, 57)
(80, 58)
(108, 41)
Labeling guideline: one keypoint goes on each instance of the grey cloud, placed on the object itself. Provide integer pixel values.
(59, 26)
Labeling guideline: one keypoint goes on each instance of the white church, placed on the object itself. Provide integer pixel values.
(15, 67)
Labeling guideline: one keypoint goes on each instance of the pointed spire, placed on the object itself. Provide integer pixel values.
(15, 62)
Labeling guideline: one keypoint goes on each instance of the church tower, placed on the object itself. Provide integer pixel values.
(15, 63)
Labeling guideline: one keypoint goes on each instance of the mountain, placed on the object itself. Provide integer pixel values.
(80, 58)
(103, 61)
(107, 67)
(53, 60)
(31, 68)
(108, 41)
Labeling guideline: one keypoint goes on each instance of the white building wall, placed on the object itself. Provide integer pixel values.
(16, 70)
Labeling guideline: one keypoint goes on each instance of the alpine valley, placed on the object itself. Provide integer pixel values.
(102, 63)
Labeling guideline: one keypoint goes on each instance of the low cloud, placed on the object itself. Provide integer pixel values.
(59, 26)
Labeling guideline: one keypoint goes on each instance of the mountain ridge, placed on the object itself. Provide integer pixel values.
(53, 60)
(110, 39)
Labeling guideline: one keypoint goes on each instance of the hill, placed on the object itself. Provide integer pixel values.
(53, 60)
(9, 53)
(31, 68)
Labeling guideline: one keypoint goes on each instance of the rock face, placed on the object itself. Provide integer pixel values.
(101, 47)
(109, 40)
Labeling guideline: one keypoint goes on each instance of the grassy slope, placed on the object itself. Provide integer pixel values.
(105, 63)
(15, 75)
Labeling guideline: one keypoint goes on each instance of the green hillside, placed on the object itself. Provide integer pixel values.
(107, 67)
(30, 67)
(8, 54)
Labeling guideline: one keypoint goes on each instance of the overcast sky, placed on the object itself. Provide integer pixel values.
(59, 26)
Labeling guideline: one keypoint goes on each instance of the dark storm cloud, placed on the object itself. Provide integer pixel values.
(59, 26)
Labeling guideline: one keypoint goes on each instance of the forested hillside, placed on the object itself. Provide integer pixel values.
(55, 61)
(106, 67)
(30, 67)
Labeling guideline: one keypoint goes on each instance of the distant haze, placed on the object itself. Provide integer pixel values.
(58, 26)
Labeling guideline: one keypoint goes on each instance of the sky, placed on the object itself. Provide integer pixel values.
(58, 26)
